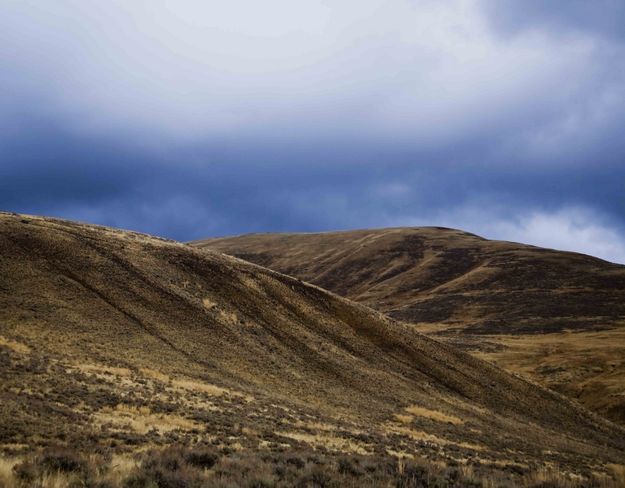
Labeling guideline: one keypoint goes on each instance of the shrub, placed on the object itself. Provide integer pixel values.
(55, 460)
(163, 478)
(181, 467)
(346, 466)
(202, 458)
(412, 476)
(167, 468)
(317, 478)
(261, 483)
(296, 461)
(64, 461)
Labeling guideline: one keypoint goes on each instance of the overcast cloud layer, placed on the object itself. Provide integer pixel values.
(196, 118)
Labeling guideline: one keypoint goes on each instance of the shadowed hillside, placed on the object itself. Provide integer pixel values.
(123, 340)
(557, 316)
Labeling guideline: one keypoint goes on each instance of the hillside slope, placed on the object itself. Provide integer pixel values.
(557, 316)
(121, 339)
(445, 276)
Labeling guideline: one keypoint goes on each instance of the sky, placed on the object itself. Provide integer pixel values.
(196, 118)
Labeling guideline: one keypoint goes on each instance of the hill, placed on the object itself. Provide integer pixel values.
(124, 341)
(556, 316)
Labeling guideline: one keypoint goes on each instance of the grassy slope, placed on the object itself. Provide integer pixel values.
(120, 339)
(556, 316)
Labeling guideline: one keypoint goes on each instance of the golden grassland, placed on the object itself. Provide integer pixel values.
(587, 366)
(109, 348)
(557, 317)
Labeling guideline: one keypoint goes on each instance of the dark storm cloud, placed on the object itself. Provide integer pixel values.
(187, 120)
(194, 192)
(44, 167)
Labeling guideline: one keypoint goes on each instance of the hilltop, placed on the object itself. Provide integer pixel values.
(124, 341)
(558, 317)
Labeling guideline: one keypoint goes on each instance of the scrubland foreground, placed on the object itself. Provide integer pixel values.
(556, 317)
(128, 360)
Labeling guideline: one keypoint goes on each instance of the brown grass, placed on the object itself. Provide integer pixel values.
(15, 346)
(433, 415)
(513, 304)
(141, 420)
(586, 365)
(125, 357)
(204, 466)
(6, 471)
(328, 441)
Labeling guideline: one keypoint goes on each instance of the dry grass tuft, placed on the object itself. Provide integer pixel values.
(141, 420)
(433, 415)
(328, 441)
(15, 346)
(7, 477)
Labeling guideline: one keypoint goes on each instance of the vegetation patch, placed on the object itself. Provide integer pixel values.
(433, 415)
(204, 466)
